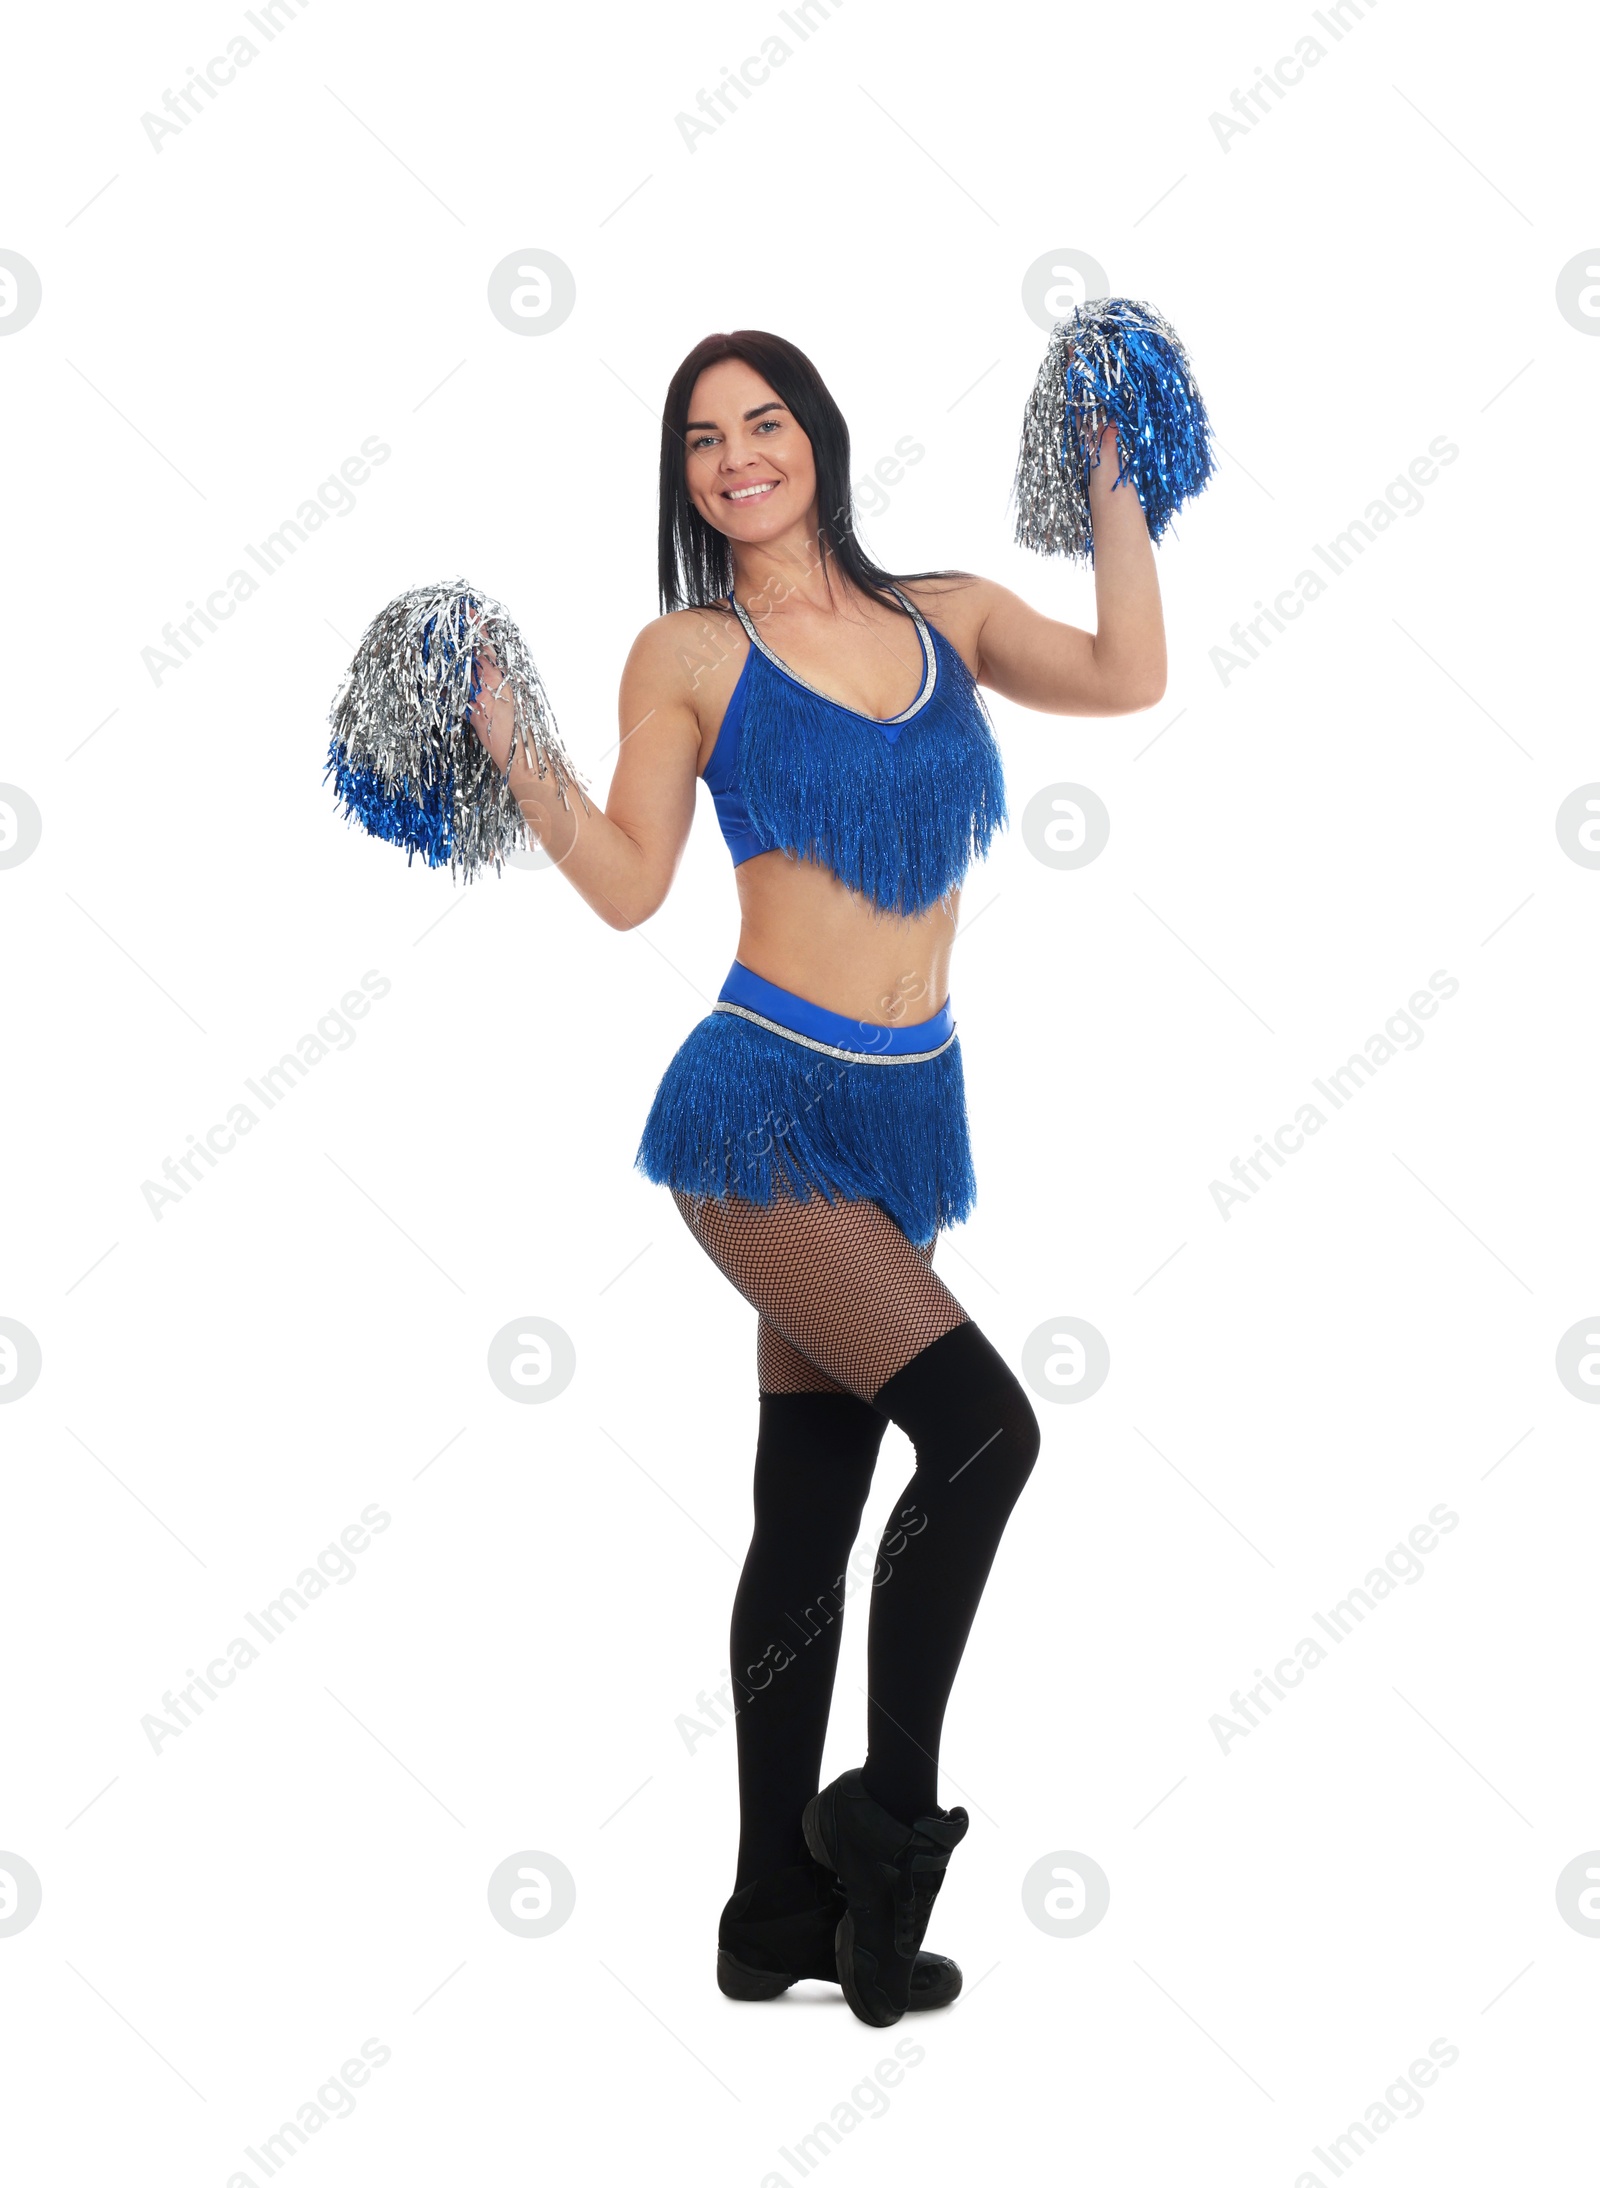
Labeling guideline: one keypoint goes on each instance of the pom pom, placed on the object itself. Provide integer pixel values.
(1113, 362)
(406, 762)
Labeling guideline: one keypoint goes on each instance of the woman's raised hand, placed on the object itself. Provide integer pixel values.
(491, 713)
(552, 825)
(493, 718)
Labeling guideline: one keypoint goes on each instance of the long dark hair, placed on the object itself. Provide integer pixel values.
(694, 559)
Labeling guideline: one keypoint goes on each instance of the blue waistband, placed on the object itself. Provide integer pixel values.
(747, 991)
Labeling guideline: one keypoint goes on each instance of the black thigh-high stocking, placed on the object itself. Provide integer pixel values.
(814, 1458)
(842, 1285)
(976, 1438)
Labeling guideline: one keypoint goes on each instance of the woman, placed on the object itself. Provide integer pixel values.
(813, 1127)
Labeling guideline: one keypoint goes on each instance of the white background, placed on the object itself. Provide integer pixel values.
(1292, 854)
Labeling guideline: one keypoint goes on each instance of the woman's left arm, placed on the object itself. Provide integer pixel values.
(1117, 668)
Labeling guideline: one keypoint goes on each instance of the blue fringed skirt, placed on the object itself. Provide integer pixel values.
(772, 1096)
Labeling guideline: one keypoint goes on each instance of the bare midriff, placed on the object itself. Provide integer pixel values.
(804, 930)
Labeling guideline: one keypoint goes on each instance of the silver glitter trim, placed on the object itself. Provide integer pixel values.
(825, 1048)
(930, 676)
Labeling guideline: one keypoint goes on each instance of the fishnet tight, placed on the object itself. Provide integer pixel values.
(844, 1298)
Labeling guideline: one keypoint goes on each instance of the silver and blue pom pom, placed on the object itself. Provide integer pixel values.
(405, 761)
(1112, 362)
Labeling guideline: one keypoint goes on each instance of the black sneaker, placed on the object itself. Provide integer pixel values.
(891, 1873)
(783, 1929)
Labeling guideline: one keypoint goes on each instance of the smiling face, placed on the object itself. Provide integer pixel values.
(747, 463)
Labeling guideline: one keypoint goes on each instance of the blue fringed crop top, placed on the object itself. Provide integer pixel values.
(898, 809)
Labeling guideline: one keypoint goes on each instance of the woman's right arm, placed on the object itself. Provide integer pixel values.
(621, 861)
